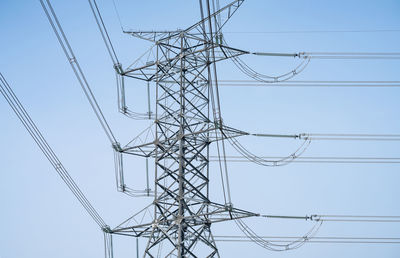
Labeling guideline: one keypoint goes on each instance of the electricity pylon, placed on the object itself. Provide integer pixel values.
(185, 74)
(187, 121)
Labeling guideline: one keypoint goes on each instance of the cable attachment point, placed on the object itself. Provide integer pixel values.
(117, 147)
(228, 206)
(303, 136)
(219, 38)
(72, 60)
(218, 123)
(58, 166)
(301, 55)
(315, 218)
(118, 68)
(106, 229)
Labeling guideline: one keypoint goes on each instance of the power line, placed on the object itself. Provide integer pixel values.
(312, 240)
(309, 83)
(334, 136)
(314, 31)
(318, 81)
(247, 155)
(270, 245)
(233, 55)
(323, 159)
(283, 85)
(334, 55)
(333, 217)
(316, 237)
(183, 126)
(353, 137)
(62, 39)
(37, 136)
(357, 218)
(355, 53)
(104, 34)
(118, 15)
(116, 64)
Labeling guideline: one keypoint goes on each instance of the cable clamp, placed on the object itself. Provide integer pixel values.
(72, 60)
(218, 123)
(118, 68)
(229, 206)
(315, 218)
(301, 55)
(302, 136)
(106, 229)
(117, 147)
(58, 166)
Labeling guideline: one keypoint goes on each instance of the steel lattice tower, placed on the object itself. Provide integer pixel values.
(187, 121)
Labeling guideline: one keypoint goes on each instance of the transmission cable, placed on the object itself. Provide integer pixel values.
(116, 64)
(55, 24)
(37, 136)
(357, 218)
(108, 245)
(334, 55)
(353, 137)
(352, 55)
(322, 159)
(269, 162)
(104, 34)
(308, 83)
(77, 69)
(334, 136)
(247, 70)
(313, 31)
(314, 239)
(231, 134)
(269, 245)
(118, 16)
(216, 106)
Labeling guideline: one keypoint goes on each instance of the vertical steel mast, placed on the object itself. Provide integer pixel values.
(187, 121)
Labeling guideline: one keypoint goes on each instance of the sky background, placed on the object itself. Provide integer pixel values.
(41, 218)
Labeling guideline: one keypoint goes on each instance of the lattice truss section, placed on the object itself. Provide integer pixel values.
(187, 121)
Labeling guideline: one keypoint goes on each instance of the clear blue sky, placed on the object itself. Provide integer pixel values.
(41, 218)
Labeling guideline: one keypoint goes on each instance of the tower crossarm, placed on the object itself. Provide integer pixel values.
(223, 14)
(146, 149)
(196, 54)
(220, 16)
(215, 213)
(153, 36)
